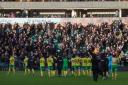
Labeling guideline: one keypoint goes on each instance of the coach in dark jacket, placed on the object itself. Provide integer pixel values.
(95, 65)
(59, 65)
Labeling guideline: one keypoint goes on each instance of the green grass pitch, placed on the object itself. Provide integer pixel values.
(20, 79)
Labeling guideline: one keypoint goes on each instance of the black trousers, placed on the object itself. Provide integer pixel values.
(103, 72)
(59, 68)
(95, 74)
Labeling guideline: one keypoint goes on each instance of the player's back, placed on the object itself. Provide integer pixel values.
(114, 61)
(65, 61)
(42, 61)
(49, 61)
(84, 61)
(26, 61)
(73, 61)
(12, 60)
(89, 61)
(77, 60)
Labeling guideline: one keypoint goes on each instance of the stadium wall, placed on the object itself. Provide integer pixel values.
(65, 5)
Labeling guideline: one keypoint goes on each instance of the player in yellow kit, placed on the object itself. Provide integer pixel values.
(89, 66)
(42, 65)
(11, 64)
(77, 65)
(26, 65)
(50, 66)
(84, 65)
(115, 61)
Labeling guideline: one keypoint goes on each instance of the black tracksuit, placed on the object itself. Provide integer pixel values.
(95, 66)
(59, 65)
(104, 64)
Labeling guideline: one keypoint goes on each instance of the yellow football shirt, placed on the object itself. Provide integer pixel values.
(49, 61)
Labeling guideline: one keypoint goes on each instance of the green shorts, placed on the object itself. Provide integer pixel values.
(77, 67)
(88, 67)
(50, 67)
(114, 68)
(42, 68)
(73, 68)
(65, 67)
(84, 68)
(11, 66)
(25, 66)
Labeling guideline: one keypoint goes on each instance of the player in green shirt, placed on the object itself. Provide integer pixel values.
(26, 65)
(42, 65)
(65, 66)
(11, 64)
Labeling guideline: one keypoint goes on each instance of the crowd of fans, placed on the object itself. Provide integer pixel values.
(61, 40)
(20, 14)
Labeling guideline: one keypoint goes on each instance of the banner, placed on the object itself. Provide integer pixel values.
(83, 21)
(29, 20)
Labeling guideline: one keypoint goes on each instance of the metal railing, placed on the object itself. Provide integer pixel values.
(56, 0)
